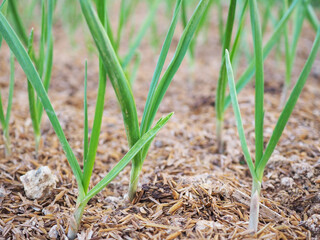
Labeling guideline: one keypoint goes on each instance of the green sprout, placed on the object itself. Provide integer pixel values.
(43, 61)
(80, 175)
(262, 155)
(158, 87)
(223, 101)
(5, 116)
(291, 49)
(221, 88)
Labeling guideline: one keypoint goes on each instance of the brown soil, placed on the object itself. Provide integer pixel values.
(188, 190)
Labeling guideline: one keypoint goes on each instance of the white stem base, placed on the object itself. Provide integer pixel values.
(254, 206)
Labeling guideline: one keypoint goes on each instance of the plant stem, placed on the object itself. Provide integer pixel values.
(7, 143)
(284, 94)
(75, 219)
(37, 138)
(254, 205)
(134, 179)
(222, 81)
(219, 130)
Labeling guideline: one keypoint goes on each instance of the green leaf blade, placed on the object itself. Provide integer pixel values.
(286, 112)
(127, 158)
(259, 86)
(236, 109)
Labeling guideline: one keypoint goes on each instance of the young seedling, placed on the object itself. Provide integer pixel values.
(43, 64)
(222, 101)
(84, 195)
(267, 15)
(262, 155)
(201, 25)
(221, 88)
(247, 75)
(311, 15)
(158, 85)
(291, 49)
(126, 9)
(5, 117)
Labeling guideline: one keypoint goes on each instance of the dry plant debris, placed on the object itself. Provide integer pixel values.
(189, 191)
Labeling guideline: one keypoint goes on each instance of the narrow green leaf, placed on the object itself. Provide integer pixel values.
(175, 62)
(312, 16)
(32, 98)
(40, 66)
(298, 24)
(11, 88)
(46, 49)
(18, 23)
(97, 121)
(266, 16)
(110, 31)
(240, 32)
(137, 41)
(220, 21)
(156, 75)
(3, 9)
(2, 115)
(33, 76)
(236, 110)
(259, 86)
(122, 17)
(127, 158)
(248, 74)
(203, 22)
(117, 77)
(85, 107)
(222, 81)
(135, 68)
(287, 49)
(286, 112)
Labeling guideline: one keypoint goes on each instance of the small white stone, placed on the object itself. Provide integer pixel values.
(204, 225)
(287, 182)
(38, 183)
(313, 223)
(53, 233)
(303, 169)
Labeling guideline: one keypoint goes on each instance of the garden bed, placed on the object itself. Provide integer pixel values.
(188, 190)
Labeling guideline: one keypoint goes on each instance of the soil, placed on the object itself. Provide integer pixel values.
(188, 190)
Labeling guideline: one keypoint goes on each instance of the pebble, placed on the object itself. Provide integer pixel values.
(313, 223)
(53, 233)
(287, 182)
(302, 169)
(38, 183)
(315, 209)
(204, 225)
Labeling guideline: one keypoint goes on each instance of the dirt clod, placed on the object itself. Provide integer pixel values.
(38, 183)
(302, 169)
(287, 182)
(313, 224)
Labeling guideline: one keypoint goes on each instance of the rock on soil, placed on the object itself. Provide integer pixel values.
(302, 169)
(313, 223)
(38, 183)
(53, 233)
(287, 181)
(205, 226)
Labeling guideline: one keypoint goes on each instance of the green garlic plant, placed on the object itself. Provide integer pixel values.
(5, 116)
(291, 47)
(262, 155)
(43, 61)
(222, 101)
(158, 87)
(81, 176)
